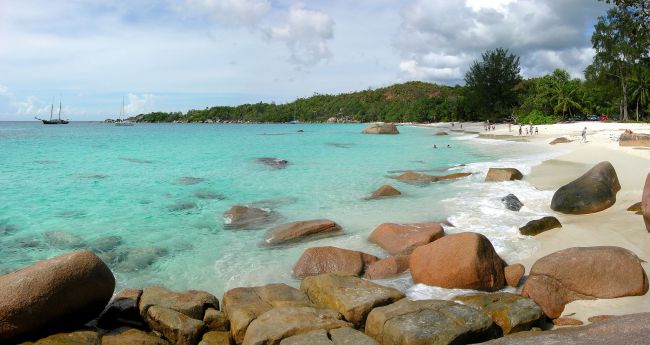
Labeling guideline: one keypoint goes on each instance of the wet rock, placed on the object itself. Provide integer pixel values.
(301, 230)
(189, 180)
(216, 338)
(275, 163)
(584, 273)
(125, 335)
(592, 192)
(459, 261)
(629, 138)
(216, 320)
(441, 133)
(72, 338)
(208, 195)
(387, 267)
(105, 244)
(353, 297)
(243, 217)
(63, 240)
(512, 313)
(512, 202)
(560, 140)
(181, 205)
(7, 228)
(319, 260)
(567, 321)
(179, 328)
(384, 192)
(413, 177)
(244, 304)
(503, 174)
(537, 226)
(402, 239)
(636, 208)
(192, 303)
(122, 310)
(279, 323)
(79, 284)
(429, 322)
(379, 128)
(645, 203)
(514, 273)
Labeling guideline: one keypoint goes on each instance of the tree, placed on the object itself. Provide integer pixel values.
(640, 86)
(491, 83)
(564, 92)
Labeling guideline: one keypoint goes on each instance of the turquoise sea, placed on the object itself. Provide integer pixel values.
(150, 198)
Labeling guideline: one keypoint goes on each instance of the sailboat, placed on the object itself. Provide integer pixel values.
(52, 121)
(119, 121)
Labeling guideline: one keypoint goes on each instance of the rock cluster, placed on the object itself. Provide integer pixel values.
(629, 138)
(381, 128)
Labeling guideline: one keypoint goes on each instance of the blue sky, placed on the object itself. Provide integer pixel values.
(175, 55)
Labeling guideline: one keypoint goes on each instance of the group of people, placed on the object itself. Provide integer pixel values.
(488, 127)
(436, 146)
(530, 130)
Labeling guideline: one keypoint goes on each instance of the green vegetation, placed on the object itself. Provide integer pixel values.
(617, 82)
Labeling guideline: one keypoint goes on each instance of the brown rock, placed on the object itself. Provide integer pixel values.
(318, 260)
(296, 231)
(216, 320)
(318, 337)
(584, 273)
(191, 303)
(598, 318)
(441, 133)
(503, 174)
(567, 321)
(279, 323)
(245, 304)
(216, 338)
(72, 338)
(353, 297)
(243, 217)
(122, 310)
(402, 239)
(381, 128)
(126, 335)
(512, 313)
(636, 208)
(384, 192)
(592, 192)
(561, 140)
(387, 267)
(537, 226)
(419, 178)
(460, 261)
(629, 138)
(453, 176)
(514, 273)
(179, 328)
(349, 336)
(645, 203)
(67, 290)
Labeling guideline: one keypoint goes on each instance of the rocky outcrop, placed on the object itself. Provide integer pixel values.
(513, 313)
(460, 261)
(245, 304)
(67, 290)
(503, 174)
(387, 267)
(645, 203)
(402, 239)
(584, 273)
(512, 202)
(216, 320)
(385, 191)
(592, 192)
(319, 260)
(179, 328)
(514, 273)
(243, 217)
(537, 226)
(560, 140)
(192, 303)
(301, 230)
(619, 330)
(122, 310)
(283, 322)
(126, 335)
(381, 128)
(413, 177)
(629, 138)
(337, 336)
(353, 297)
(429, 322)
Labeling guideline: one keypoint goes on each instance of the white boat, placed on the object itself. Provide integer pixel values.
(120, 121)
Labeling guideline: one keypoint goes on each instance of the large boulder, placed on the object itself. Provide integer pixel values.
(381, 128)
(179, 328)
(319, 260)
(432, 322)
(512, 203)
(216, 320)
(645, 203)
(122, 310)
(245, 304)
(244, 217)
(283, 322)
(336, 336)
(503, 174)
(629, 138)
(592, 192)
(126, 335)
(513, 313)
(71, 338)
(301, 230)
(537, 226)
(560, 140)
(584, 273)
(402, 239)
(618, 330)
(465, 260)
(192, 303)
(387, 267)
(385, 191)
(353, 297)
(67, 290)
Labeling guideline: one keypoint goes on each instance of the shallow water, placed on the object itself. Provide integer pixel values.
(150, 198)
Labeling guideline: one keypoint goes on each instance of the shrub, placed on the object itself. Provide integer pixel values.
(537, 117)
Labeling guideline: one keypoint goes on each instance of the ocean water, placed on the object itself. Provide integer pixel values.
(150, 199)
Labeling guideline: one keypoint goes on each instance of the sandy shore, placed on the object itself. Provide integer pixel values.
(612, 227)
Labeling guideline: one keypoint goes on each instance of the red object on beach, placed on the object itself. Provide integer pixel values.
(603, 118)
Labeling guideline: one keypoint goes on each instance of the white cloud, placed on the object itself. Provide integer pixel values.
(31, 106)
(233, 12)
(140, 104)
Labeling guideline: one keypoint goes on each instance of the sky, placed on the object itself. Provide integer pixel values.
(175, 55)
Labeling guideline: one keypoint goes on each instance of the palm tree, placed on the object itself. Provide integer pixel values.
(640, 83)
(564, 93)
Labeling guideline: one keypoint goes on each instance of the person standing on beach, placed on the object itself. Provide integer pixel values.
(536, 130)
(509, 127)
(584, 135)
(520, 129)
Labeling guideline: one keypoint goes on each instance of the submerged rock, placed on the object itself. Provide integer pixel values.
(503, 174)
(419, 178)
(402, 239)
(64, 291)
(189, 180)
(319, 260)
(512, 202)
(136, 160)
(275, 163)
(537, 226)
(434, 322)
(584, 273)
(64, 240)
(7, 228)
(105, 244)
(208, 195)
(133, 259)
(301, 230)
(243, 217)
(341, 145)
(592, 192)
(384, 192)
(181, 205)
(381, 128)
(511, 312)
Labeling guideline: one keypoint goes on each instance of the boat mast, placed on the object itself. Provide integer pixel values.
(122, 110)
(52, 110)
(59, 111)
